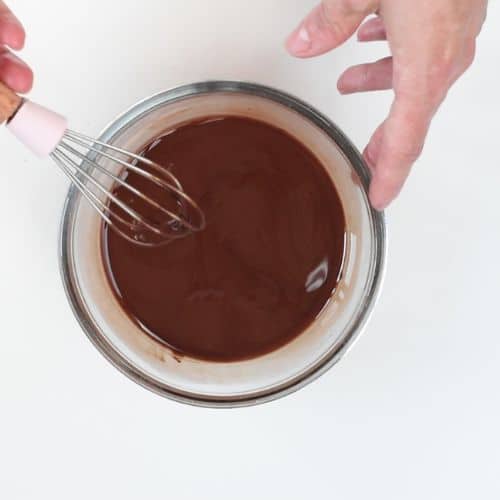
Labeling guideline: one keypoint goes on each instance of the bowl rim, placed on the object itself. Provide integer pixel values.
(77, 302)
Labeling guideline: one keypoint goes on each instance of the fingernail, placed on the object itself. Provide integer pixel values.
(341, 85)
(300, 41)
(346, 85)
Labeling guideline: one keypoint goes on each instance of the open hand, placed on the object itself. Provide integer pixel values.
(432, 43)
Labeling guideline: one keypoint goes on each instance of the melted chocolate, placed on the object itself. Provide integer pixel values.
(268, 260)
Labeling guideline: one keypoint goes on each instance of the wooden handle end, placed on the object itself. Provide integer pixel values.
(9, 103)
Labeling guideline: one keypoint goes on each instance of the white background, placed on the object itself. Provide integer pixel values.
(412, 412)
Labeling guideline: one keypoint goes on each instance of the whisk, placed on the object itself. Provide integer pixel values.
(98, 170)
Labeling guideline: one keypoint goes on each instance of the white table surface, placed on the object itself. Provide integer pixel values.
(411, 413)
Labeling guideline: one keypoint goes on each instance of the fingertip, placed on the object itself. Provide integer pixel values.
(311, 37)
(341, 86)
(360, 36)
(385, 186)
(378, 198)
(377, 204)
(318, 34)
(299, 43)
(21, 82)
(15, 73)
(347, 82)
(13, 35)
(371, 31)
(363, 35)
(25, 81)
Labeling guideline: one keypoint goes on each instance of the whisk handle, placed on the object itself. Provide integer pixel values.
(9, 103)
(37, 127)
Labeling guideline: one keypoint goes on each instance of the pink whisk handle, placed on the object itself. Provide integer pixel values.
(38, 128)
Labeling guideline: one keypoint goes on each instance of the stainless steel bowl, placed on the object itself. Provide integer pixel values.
(279, 373)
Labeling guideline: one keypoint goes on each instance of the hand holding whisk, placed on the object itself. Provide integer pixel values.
(147, 220)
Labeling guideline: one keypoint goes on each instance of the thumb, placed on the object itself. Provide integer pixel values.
(395, 147)
(328, 25)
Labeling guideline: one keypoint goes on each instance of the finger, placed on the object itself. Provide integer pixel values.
(11, 31)
(15, 73)
(372, 150)
(367, 77)
(328, 25)
(372, 30)
(396, 148)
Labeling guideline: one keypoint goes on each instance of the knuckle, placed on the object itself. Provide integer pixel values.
(447, 68)
(443, 69)
(469, 54)
(409, 152)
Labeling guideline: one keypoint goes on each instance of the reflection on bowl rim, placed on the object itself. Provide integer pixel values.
(146, 106)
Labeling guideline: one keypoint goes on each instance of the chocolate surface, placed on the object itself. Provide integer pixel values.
(267, 262)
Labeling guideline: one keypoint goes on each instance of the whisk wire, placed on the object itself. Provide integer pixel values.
(129, 211)
(95, 202)
(84, 141)
(127, 186)
(88, 142)
(89, 195)
(74, 163)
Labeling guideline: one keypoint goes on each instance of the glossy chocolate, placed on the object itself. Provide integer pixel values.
(267, 262)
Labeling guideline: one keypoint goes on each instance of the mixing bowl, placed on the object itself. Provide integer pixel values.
(152, 364)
